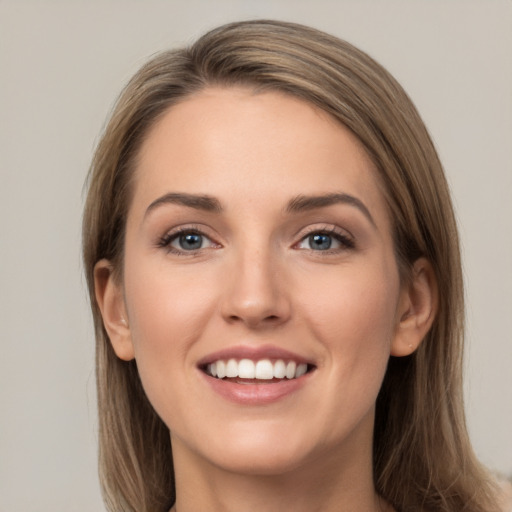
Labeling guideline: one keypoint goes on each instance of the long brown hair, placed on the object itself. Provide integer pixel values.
(422, 456)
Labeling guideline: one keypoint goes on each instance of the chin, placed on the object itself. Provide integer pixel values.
(255, 461)
(250, 449)
(266, 449)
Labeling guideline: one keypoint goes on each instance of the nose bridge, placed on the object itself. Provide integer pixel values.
(255, 294)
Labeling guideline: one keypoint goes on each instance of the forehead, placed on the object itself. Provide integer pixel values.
(233, 142)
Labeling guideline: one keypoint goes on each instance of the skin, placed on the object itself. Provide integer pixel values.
(258, 281)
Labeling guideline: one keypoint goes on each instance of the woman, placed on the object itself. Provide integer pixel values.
(275, 279)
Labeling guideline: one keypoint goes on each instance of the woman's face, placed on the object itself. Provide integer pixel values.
(258, 244)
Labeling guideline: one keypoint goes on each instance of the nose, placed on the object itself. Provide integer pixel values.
(255, 292)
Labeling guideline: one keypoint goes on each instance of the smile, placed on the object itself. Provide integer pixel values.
(262, 369)
(256, 375)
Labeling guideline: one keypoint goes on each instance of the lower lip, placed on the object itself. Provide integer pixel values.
(255, 393)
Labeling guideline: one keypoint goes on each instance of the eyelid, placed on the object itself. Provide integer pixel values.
(341, 235)
(172, 234)
(345, 238)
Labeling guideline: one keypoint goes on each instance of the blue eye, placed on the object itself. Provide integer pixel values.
(320, 241)
(325, 241)
(188, 242)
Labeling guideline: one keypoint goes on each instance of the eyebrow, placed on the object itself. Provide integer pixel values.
(298, 204)
(304, 203)
(198, 202)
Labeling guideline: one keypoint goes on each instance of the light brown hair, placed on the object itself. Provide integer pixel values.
(422, 456)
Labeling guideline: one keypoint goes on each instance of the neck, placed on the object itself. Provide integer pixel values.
(320, 485)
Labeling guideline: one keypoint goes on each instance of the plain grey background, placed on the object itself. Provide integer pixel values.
(62, 63)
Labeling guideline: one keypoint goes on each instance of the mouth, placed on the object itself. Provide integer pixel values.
(256, 375)
(249, 371)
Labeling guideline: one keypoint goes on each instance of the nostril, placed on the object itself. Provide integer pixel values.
(255, 312)
(248, 319)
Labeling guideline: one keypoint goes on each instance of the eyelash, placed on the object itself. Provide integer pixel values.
(345, 241)
(165, 242)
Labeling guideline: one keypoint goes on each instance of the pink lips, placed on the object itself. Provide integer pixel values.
(252, 392)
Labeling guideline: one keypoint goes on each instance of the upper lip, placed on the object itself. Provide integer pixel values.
(253, 353)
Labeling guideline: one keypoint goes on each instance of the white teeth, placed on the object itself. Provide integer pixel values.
(263, 369)
(232, 368)
(246, 369)
(301, 370)
(279, 369)
(290, 370)
(221, 369)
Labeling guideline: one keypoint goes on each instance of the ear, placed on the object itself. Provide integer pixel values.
(416, 310)
(110, 299)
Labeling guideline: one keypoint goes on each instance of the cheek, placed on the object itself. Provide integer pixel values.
(354, 316)
(356, 327)
(168, 311)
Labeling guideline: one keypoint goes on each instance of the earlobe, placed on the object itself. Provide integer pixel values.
(109, 297)
(417, 309)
